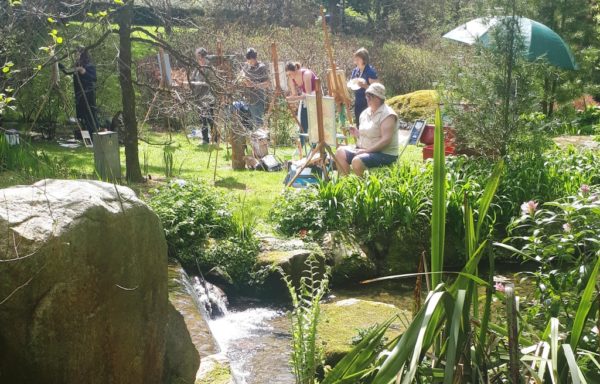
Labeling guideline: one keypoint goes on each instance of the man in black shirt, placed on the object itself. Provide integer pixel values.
(255, 79)
(84, 85)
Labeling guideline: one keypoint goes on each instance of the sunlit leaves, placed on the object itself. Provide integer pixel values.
(8, 68)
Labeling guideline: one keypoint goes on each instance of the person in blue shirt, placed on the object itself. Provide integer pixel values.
(367, 76)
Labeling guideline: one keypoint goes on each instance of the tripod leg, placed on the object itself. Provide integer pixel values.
(330, 151)
(312, 154)
(39, 111)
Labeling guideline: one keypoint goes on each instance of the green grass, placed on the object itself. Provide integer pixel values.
(255, 190)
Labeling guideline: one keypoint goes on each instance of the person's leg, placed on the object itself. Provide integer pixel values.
(257, 112)
(344, 156)
(303, 126)
(358, 167)
(94, 111)
(205, 124)
(366, 161)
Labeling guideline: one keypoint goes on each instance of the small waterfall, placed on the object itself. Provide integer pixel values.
(253, 338)
(211, 298)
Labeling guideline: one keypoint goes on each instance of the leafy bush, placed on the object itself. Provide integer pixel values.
(388, 211)
(234, 257)
(562, 238)
(192, 214)
(298, 211)
(406, 68)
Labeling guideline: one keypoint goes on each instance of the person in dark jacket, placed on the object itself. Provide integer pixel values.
(200, 81)
(84, 85)
(365, 75)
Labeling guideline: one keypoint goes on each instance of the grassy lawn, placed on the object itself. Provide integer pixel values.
(255, 190)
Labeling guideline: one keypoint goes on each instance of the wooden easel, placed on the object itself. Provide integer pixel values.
(163, 85)
(279, 93)
(334, 84)
(321, 147)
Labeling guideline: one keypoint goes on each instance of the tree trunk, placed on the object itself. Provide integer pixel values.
(132, 160)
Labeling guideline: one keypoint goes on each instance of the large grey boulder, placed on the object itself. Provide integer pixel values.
(83, 288)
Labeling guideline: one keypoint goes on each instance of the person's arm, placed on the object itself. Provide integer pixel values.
(62, 68)
(371, 78)
(388, 125)
(264, 82)
(308, 82)
(292, 97)
(90, 72)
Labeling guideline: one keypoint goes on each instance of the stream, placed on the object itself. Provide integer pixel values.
(255, 336)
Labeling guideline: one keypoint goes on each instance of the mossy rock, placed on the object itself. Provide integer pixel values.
(289, 256)
(215, 370)
(350, 263)
(415, 105)
(340, 322)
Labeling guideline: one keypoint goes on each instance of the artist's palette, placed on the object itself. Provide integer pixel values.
(354, 84)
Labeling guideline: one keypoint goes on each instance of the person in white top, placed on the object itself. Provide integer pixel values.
(377, 143)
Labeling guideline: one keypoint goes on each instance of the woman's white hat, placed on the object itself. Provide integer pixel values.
(377, 89)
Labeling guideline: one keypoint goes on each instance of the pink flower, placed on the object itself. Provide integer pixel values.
(529, 207)
(567, 227)
(499, 287)
(584, 189)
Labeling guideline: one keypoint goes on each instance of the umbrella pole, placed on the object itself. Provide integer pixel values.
(509, 69)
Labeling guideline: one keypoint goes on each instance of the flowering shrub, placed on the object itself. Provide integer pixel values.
(563, 238)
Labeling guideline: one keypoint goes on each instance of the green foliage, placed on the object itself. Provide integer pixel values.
(203, 233)
(168, 159)
(407, 68)
(28, 162)
(444, 316)
(362, 333)
(395, 202)
(307, 355)
(235, 256)
(296, 211)
(191, 212)
(562, 239)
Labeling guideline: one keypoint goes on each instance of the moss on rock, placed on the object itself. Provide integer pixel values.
(415, 105)
(219, 374)
(340, 322)
(215, 369)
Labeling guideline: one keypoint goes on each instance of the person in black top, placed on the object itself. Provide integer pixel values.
(84, 85)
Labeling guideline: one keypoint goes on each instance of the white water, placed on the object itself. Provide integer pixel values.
(257, 343)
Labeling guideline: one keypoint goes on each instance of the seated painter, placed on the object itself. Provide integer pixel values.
(377, 139)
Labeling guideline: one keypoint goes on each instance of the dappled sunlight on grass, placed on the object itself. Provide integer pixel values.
(255, 190)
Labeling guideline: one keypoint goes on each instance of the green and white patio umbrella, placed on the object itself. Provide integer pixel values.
(539, 40)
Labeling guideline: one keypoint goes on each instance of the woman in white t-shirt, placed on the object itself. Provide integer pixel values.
(377, 138)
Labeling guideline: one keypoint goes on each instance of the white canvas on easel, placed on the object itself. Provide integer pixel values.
(329, 127)
(167, 71)
(282, 77)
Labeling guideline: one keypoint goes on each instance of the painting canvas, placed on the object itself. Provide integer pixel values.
(332, 85)
(415, 132)
(167, 71)
(282, 77)
(328, 119)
